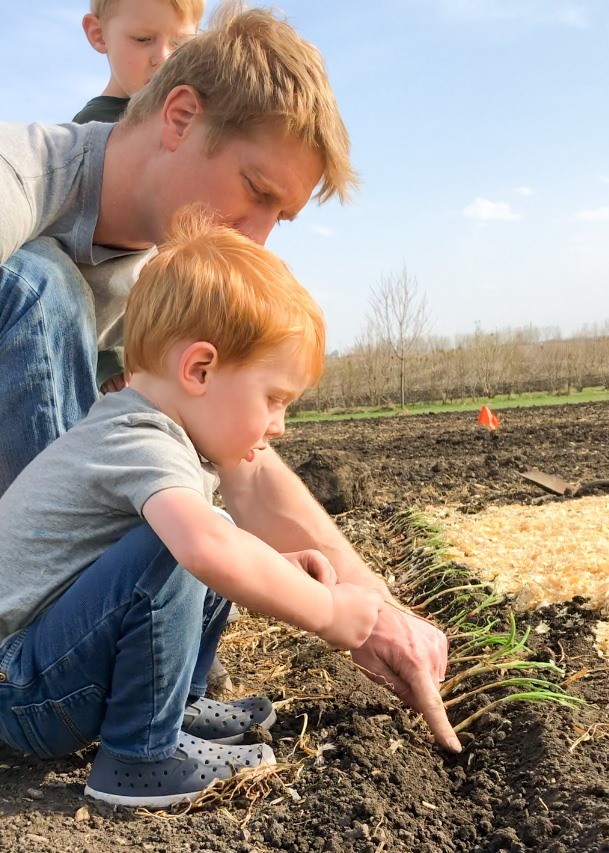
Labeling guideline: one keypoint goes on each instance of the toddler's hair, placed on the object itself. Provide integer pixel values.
(191, 10)
(210, 283)
(250, 67)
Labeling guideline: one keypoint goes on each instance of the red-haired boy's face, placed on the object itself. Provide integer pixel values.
(244, 407)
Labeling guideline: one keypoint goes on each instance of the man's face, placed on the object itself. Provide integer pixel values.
(250, 183)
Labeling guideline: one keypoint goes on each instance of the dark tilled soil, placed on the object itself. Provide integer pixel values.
(433, 459)
(365, 776)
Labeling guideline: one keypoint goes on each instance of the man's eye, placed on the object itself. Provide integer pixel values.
(261, 195)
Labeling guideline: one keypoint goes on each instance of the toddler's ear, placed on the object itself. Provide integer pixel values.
(196, 363)
(94, 33)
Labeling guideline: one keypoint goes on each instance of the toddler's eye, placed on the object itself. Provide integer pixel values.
(143, 39)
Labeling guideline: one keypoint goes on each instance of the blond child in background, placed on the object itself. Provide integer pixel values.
(115, 572)
(137, 36)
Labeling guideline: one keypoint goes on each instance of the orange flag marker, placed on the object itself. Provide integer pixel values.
(488, 418)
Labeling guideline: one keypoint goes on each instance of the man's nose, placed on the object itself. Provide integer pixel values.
(258, 228)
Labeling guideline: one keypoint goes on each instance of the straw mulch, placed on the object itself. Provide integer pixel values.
(540, 555)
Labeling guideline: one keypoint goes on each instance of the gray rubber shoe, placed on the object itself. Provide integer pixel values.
(227, 722)
(178, 779)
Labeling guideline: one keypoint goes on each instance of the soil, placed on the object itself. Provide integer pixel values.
(363, 774)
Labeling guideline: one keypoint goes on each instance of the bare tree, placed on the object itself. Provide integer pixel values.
(486, 351)
(374, 362)
(399, 317)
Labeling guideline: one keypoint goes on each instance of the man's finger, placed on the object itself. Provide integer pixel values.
(428, 702)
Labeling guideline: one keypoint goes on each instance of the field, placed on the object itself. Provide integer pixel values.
(361, 773)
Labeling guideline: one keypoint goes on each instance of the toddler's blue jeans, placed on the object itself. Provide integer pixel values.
(115, 657)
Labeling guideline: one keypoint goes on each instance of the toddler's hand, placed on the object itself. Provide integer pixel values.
(355, 612)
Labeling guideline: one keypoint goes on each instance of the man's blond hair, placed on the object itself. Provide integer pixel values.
(188, 10)
(250, 67)
(210, 283)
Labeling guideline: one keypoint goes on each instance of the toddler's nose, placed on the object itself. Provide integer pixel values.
(276, 427)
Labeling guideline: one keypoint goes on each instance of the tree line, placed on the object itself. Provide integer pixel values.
(396, 362)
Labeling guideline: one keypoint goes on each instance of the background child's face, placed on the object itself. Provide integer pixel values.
(138, 38)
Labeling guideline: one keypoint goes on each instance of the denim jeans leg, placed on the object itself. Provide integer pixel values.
(217, 609)
(216, 613)
(48, 352)
(114, 656)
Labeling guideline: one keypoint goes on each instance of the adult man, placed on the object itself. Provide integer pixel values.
(241, 119)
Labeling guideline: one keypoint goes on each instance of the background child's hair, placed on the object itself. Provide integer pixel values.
(191, 10)
(250, 67)
(210, 283)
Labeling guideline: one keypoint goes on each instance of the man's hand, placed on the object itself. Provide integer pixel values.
(408, 655)
(403, 652)
(314, 564)
(355, 612)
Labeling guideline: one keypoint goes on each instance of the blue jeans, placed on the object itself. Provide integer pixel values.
(48, 352)
(115, 657)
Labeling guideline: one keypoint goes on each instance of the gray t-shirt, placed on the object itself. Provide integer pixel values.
(84, 493)
(50, 186)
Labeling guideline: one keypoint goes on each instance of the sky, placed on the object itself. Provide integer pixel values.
(479, 129)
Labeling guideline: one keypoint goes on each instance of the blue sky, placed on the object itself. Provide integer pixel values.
(480, 129)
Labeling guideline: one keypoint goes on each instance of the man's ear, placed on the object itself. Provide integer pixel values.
(180, 114)
(94, 33)
(197, 363)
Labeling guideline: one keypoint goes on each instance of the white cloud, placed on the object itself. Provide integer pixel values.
(524, 191)
(484, 210)
(323, 230)
(604, 179)
(599, 214)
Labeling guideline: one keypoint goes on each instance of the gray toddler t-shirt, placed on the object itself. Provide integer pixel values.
(84, 493)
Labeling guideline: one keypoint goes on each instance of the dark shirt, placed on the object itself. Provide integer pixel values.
(104, 108)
